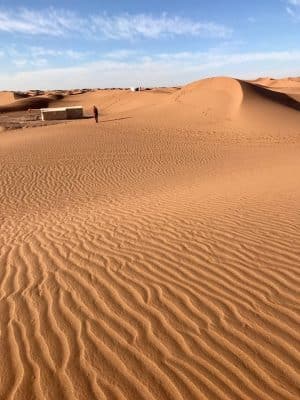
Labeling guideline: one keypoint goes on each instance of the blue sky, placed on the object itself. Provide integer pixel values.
(70, 44)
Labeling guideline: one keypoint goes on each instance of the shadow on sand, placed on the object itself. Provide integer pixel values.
(116, 119)
(277, 97)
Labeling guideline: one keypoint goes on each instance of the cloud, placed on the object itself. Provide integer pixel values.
(294, 2)
(55, 22)
(295, 14)
(37, 51)
(20, 62)
(121, 54)
(239, 58)
(128, 26)
(213, 59)
(38, 56)
(159, 70)
(47, 22)
(293, 9)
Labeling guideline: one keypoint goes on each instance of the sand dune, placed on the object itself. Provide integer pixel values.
(23, 104)
(116, 101)
(289, 86)
(279, 83)
(154, 255)
(6, 98)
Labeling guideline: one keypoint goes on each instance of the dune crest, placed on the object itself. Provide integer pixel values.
(222, 96)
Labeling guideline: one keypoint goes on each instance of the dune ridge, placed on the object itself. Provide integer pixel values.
(155, 255)
(32, 102)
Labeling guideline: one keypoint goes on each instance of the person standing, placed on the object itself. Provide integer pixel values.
(96, 114)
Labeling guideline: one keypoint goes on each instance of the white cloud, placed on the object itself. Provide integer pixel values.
(293, 9)
(47, 22)
(55, 22)
(37, 51)
(38, 56)
(120, 54)
(230, 59)
(20, 62)
(295, 14)
(163, 69)
(214, 59)
(290, 11)
(40, 62)
(142, 25)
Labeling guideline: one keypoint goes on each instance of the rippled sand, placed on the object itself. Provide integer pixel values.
(155, 255)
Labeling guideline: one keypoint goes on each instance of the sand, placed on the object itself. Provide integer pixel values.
(155, 255)
(6, 97)
(34, 102)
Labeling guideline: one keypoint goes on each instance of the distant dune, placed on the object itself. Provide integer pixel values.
(28, 102)
(155, 255)
(6, 98)
(279, 83)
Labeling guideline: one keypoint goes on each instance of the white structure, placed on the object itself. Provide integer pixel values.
(135, 89)
(49, 114)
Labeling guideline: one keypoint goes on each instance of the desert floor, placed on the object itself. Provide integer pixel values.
(155, 255)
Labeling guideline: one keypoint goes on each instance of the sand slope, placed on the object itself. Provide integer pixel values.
(279, 83)
(23, 104)
(6, 97)
(290, 86)
(116, 101)
(155, 255)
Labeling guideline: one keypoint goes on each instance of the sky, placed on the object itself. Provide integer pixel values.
(124, 43)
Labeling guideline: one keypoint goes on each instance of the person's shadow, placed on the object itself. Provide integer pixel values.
(116, 119)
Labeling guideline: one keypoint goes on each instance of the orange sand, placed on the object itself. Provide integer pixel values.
(155, 255)
(6, 97)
